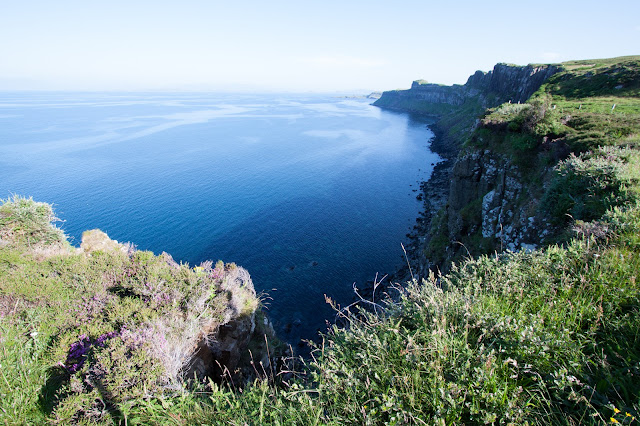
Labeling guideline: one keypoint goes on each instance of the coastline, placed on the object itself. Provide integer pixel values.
(434, 194)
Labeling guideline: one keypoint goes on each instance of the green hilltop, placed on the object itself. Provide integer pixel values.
(105, 334)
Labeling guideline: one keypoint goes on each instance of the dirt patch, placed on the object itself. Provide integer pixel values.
(11, 305)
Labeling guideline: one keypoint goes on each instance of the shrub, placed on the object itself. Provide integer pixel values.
(26, 223)
(585, 186)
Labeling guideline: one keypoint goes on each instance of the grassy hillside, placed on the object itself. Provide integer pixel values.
(88, 332)
(542, 337)
(575, 143)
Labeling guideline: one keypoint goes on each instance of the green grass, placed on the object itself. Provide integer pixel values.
(586, 186)
(577, 107)
(137, 316)
(543, 337)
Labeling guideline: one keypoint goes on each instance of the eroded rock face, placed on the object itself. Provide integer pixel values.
(504, 83)
(491, 184)
(223, 351)
(512, 82)
(218, 353)
(436, 93)
(95, 240)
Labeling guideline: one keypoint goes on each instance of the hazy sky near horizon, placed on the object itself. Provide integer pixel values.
(295, 45)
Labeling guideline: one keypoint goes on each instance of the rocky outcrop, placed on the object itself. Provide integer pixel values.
(476, 194)
(222, 351)
(218, 351)
(504, 83)
(487, 198)
(213, 347)
(97, 240)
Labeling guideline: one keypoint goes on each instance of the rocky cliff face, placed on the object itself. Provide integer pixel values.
(483, 191)
(487, 198)
(435, 93)
(504, 83)
(223, 351)
(510, 82)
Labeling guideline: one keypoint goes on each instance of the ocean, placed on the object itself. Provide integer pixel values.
(310, 193)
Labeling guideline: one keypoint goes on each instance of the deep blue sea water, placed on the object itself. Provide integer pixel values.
(310, 193)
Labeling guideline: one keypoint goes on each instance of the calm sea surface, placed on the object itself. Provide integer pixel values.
(310, 193)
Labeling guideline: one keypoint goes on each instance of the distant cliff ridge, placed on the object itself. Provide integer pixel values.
(509, 182)
(504, 83)
(511, 82)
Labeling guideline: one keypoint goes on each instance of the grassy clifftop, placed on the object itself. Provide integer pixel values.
(548, 337)
(87, 332)
(527, 170)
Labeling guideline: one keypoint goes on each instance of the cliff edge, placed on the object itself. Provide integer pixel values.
(119, 324)
(516, 141)
(484, 89)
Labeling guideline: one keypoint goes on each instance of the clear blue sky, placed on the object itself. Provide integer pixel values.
(295, 45)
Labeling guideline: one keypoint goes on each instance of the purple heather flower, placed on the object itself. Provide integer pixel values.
(79, 349)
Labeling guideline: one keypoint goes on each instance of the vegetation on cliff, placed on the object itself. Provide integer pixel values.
(572, 147)
(542, 337)
(546, 336)
(89, 332)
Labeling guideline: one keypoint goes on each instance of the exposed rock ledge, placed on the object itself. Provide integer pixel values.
(209, 348)
(475, 181)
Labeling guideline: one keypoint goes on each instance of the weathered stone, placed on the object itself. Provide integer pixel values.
(504, 83)
(95, 240)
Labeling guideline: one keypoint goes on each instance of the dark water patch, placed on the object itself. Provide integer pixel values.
(308, 192)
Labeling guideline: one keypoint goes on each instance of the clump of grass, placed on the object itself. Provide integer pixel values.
(102, 327)
(26, 223)
(589, 184)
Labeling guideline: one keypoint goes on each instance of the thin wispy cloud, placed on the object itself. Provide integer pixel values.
(343, 61)
(550, 56)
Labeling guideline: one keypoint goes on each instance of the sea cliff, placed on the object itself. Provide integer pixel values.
(116, 323)
(502, 135)
(504, 83)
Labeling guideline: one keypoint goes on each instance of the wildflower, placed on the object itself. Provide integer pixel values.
(613, 420)
(615, 410)
(79, 349)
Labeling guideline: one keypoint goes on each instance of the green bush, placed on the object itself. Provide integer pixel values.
(586, 186)
(25, 223)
